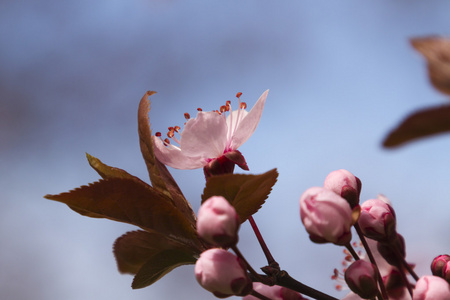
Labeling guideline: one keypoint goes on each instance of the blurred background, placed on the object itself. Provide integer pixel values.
(341, 75)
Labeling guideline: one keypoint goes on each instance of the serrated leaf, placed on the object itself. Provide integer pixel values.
(133, 249)
(160, 177)
(106, 171)
(130, 201)
(159, 265)
(420, 124)
(247, 193)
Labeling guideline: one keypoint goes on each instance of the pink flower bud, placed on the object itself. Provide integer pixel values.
(327, 217)
(218, 222)
(275, 292)
(345, 184)
(438, 264)
(361, 278)
(222, 273)
(431, 288)
(446, 272)
(377, 220)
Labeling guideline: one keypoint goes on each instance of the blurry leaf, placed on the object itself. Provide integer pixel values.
(106, 171)
(130, 201)
(420, 124)
(159, 265)
(247, 193)
(133, 249)
(436, 50)
(159, 175)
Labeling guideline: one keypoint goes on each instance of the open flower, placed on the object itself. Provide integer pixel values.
(211, 139)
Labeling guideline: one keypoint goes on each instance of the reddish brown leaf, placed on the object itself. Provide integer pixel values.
(130, 201)
(106, 171)
(420, 124)
(160, 177)
(436, 50)
(159, 265)
(133, 249)
(247, 193)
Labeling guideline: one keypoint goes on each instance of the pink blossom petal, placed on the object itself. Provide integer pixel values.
(233, 119)
(173, 157)
(249, 123)
(204, 136)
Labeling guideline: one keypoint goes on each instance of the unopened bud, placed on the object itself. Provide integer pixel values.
(327, 217)
(446, 272)
(222, 273)
(218, 222)
(361, 278)
(345, 184)
(438, 264)
(377, 220)
(431, 288)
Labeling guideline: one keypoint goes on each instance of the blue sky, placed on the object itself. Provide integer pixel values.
(341, 74)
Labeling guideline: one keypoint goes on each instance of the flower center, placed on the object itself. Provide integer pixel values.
(222, 111)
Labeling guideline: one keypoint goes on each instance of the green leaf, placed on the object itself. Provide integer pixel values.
(130, 201)
(160, 177)
(247, 193)
(159, 265)
(420, 124)
(106, 171)
(133, 249)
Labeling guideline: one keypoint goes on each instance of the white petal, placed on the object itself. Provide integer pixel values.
(172, 156)
(249, 123)
(204, 136)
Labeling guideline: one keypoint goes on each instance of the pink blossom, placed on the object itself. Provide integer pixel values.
(222, 273)
(377, 220)
(345, 184)
(275, 292)
(211, 136)
(431, 288)
(327, 217)
(218, 222)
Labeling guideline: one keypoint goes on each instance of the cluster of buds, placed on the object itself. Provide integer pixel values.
(325, 211)
(329, 213)
(218, 270)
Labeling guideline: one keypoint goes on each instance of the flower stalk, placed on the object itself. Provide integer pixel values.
(383, 291)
